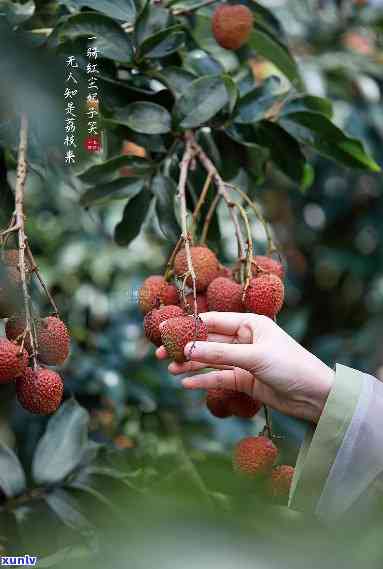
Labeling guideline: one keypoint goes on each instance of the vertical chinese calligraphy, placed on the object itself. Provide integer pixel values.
(70, 93)
(93, 141)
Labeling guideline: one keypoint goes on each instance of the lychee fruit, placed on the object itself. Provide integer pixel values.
(53, 341)
(232, 25)
(155, 317)
(10, 259)
(217, 402)
(265, 295)
(280, 481)
(14, 330)
(225, 272)
(205, 265)
(169, 294)
(269, 265)
(12, 362)
(177, 332)
(224, 295)
(148, 296)
(242, 405)
(40, 391)
(201, 303)
(254, 456)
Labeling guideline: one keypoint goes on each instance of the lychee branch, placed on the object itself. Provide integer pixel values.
(209, 217)
(21, 177)
(201, 199)
(36, 271)
(185, 165)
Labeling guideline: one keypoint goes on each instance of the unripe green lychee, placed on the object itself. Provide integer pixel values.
(254, 456)
(205, 265)
(155, 317)
(12, 362)
(53, 341)
(224, 295)
(40, 391)
(177, 332)
(265, 295)
(232, 25)
(280, 481)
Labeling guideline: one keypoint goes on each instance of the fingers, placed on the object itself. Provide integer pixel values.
(224, 379)
(176, 368)
(244, 356)
(226, 323)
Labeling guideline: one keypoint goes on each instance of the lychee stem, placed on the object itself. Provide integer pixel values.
(201, 199)
(21, 177)
(36, 271)
(208, 218)
(185, 165)
(268, 426)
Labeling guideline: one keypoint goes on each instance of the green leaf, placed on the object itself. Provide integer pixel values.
(199, 62)
(110, 170)
(203, 100)
(255, 104)
(308, 103)
(67, 510)
(319, 132)
(16, 13)
(12, 477)
(144, 117)
(308, 178)
(176, 79)
(112, 41)
(61, 448)
(232, 91)
(164, 190)
(151, 20)
(162, 43)
(124, 10)
(118, 189)
(268, 47)
(133, 217)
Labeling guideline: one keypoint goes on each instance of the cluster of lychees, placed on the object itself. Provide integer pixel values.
(170, 320)
(38, 389)
(217, 289)
(255, 457)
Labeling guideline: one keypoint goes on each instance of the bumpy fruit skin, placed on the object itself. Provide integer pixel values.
(177, 332)
(265, 295)
(232, 25)
(14, 329)
(225, 272)
(217, 402)
(242, 405)
(53, 341)
(224, 295)
(12, 363)
(169, 294)
(205, 264)
(148, 296)
(201, 303)
(269, 265)
(281, 479)
(155, 317)
(254, 456)
(40, 391)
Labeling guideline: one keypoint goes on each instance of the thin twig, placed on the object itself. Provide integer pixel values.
(185, 165)
(201, 199)
(208, 218)
(268, 426)
(21, 177)
(36, 271)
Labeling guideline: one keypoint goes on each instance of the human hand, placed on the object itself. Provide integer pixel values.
(251, 353)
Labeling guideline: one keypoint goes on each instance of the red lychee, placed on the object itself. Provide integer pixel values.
(40, 391)
(224, 295)
(265, 295)
(254, 456)
(14, 330)
(217, 402)
(232, 25)
(155, 317)
(205, 265)
(242, 405)
(169, 294)
(281, 479)
(53, 341)
(12, 362)
(148, 296)
(201, 303)
(267, 264)
(177, 332)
